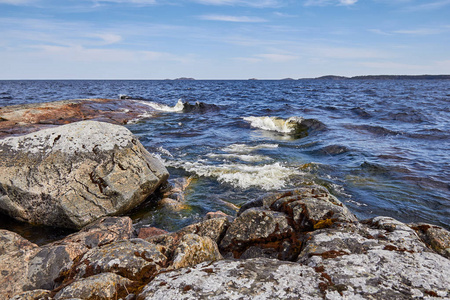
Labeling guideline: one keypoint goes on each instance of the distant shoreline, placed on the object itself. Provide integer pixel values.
(325, 77)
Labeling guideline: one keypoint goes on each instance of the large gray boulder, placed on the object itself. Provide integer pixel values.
(71, 175)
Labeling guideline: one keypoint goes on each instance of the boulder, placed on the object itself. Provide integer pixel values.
(194, 249)
(134, 259)
(435, 237)
(71, 175)
(107, 286)
(101, 232)
(243, 279)
(32, 295)
(26, 267)
(274, 225)
(381, 258)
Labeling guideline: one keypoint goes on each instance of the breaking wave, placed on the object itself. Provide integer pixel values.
(267, 177)
(297, 126)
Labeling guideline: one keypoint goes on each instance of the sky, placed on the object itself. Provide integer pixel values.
(222, 39)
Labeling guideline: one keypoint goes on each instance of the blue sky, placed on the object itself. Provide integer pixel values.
(222, 39)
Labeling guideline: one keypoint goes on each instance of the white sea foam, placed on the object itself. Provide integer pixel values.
(243, 148)
(274, 123)
(162, 107)
(266, 177)
(243, 157)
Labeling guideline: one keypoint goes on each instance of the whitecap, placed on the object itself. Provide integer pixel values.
(243, 148)
(243, 157)
(267, 176)
(162, 107)
(275, 123)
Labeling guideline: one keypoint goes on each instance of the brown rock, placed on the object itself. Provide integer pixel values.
(147, 232)
(107, 286)
(23, 119)
(435, 237)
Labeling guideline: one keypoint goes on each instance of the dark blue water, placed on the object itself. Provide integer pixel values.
(382, 147)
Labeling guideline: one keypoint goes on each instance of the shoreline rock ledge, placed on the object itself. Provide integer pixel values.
(71, 175)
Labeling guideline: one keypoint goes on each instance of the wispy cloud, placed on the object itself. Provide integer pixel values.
(329, 2)
(250, 3)
(429, 6)
(226, 18)
(268, 57)
(17, 2)
(421, 31)
(138, 2)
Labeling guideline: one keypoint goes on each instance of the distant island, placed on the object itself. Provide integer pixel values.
(184, 78)
(382, 77)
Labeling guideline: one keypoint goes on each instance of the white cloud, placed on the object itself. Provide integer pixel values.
(225, 18)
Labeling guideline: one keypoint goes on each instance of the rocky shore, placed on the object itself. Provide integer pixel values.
(294, 244)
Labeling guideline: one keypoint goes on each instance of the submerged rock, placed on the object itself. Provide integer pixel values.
(74, 174)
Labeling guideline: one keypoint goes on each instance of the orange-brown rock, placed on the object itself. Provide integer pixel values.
(22, 119)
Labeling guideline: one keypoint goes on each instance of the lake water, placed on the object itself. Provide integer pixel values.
(380, 146)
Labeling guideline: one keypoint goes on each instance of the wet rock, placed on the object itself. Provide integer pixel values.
(244, 279)
(435, 237)
(378, 259)
(23, 119)
(106, 286)
(74, 174)
(134, 259)
(32, 295)
(218, 214)
(193, 249)
(173, 198)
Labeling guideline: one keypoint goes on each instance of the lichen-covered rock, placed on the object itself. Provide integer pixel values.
(435, 237)
(71, 175)
(101, 232)
(11, 242)
(255, 226)
(32, 295)
(45, 266)
(309, 208)
(193, 249)
(134, 259)
(14, 272)
(107, 286)
(213, 228)
(378, 259)
(147, 232)
(243, 279)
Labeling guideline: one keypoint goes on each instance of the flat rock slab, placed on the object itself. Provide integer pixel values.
(23, 119)
(71, 175)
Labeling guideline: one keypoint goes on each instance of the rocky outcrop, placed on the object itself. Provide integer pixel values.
(74, 174)
(25, 267)
(260, 278)
(23, 119)
(298, 244)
